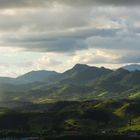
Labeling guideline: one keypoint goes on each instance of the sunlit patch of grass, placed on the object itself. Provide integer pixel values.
(16, 98)
(137, 120)
(135, 95)
(99, 105)
(71, 122)
(135, 125)
(121, 111)
(2, 113)
(43, 100)
(132, 128)
(102, 94)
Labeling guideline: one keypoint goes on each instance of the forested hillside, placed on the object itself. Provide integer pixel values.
(82, 82)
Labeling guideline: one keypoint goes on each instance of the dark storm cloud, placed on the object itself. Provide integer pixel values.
(124, 40)
(22, 3)
(103, 2)
(66, 41)
(42, 3)
(67, 26)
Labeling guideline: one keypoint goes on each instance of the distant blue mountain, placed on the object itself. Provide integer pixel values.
(132, 67)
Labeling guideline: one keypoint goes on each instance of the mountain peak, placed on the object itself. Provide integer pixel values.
(81, 66)
(77, 66)
(34, 76)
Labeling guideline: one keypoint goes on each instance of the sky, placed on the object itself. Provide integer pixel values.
(57, 34)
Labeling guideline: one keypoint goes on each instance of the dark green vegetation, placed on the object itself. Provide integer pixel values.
(82, 101)
(94, 117)
(81, 83)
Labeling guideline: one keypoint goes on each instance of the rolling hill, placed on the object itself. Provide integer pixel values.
(82, 82)
(88, 117)
(36, 76)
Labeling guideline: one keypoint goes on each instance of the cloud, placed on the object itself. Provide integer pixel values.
(133, 57)
(129, 59)
(101, 57)
(124, 40)
(63, 41)
(42, 3)
(54, 19)
(106, 31)
(102, 2)
(24, 64)
(46, 61)
(22, 3)
(94, 56)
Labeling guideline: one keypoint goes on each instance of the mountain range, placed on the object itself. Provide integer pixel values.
(82, 82)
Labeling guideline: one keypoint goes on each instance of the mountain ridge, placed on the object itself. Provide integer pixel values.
(76, 66)
(81, 82)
